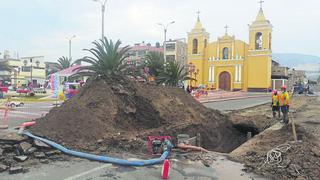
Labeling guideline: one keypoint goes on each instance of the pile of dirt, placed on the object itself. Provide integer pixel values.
(120, 113)
(300, 161)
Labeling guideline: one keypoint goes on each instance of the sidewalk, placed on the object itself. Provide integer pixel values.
(214, 96)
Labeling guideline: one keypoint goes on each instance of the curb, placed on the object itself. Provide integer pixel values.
(229, 99)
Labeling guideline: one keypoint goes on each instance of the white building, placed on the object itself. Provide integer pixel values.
(176, 50)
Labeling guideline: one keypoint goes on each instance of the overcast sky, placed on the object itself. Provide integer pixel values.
(40, 27)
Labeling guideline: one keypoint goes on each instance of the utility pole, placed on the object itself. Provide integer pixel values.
(103, 9)
(165, 29)
(31, 69)
(70, 43)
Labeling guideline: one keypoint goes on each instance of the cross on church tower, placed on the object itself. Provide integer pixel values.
(198, 12)
(261, 2)
(226, 27)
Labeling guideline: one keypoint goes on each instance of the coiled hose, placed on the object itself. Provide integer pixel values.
(105, 159)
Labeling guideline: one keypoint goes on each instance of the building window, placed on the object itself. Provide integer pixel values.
(205, 43)
(195, 46)
(26, 69)
(270, 39)
(211, 74)
(170, 47)
(258, 41)
(225, 53)
(171, 58)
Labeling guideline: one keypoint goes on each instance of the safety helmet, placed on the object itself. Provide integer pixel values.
(275, 91)
(284, 87)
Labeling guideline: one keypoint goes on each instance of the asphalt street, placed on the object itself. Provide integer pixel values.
(237, 103)
(78, 169)
(27, 112)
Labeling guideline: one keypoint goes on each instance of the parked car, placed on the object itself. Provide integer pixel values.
(15, 104)
(4, 89)
(39, 90)
(26, 91)
(298, 88)
(23, 90)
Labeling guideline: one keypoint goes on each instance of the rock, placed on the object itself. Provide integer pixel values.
(300, 178)
(20, 158)
(44, 161)
(15, 170)
(24, 147)
(100, 141)
(39, 155)
(31, 150)
(316, 151)
(13, 137)
(51, 153)
(41, 144)
(7, 147)
(3, 168)
(18, 150)
(1, 152)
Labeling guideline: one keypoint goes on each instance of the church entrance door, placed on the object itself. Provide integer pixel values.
(225, 81)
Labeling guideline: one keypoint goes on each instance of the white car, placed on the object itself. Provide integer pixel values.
(15, 104)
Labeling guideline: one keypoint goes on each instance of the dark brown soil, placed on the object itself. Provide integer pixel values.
(302, 160)
(121, 114)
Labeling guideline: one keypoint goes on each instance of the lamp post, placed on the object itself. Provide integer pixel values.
(70, 41)
(31, 73)
(103, 9)
(165, 28)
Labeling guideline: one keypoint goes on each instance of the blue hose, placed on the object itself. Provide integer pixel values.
(105, 159)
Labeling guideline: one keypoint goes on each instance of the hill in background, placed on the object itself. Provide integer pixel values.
(298, 61)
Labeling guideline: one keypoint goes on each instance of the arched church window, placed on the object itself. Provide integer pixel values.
(195, 46)
(225, 53)
(258, 41)
(205, 43)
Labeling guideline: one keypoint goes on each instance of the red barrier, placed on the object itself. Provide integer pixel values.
(27, 124)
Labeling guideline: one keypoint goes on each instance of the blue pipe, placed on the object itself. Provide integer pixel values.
(105, 159)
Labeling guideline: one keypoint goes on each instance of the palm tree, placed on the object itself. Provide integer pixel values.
(173, 75)
(155, 63)
(63, 63)
(4, 66)
(107, 59)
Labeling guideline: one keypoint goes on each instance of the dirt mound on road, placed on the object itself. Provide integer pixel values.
(120, 113)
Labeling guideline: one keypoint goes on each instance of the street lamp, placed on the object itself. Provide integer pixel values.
(165, 28)
(70, 40)
(103, 8)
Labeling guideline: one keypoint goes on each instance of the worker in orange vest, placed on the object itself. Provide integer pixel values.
(284, 103)
(275, 104)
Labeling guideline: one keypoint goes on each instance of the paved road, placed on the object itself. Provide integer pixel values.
(79, 169)
(237, 104)
(27, 112)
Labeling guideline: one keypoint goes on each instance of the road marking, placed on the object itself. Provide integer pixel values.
(87, 172)
(26, 113)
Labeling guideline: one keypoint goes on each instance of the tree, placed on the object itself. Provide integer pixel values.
(64, 63)
(4, 66)
(155, 63)
(107, 59)
(173, 75)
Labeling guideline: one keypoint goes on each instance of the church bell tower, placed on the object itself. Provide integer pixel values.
(260, 54)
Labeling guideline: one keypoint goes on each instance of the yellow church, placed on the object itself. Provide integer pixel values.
(230, 64)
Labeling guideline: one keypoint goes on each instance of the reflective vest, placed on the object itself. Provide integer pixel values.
(275, 100)
(285, 99)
